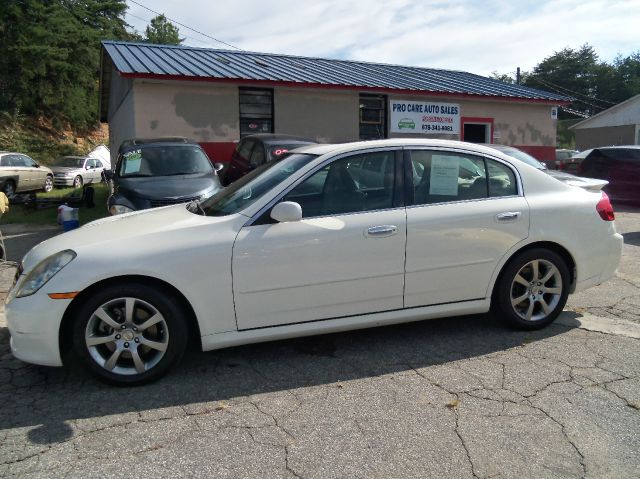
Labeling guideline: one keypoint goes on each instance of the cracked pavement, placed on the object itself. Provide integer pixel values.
(456, 397)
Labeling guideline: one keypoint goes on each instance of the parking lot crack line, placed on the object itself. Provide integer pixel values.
(454, 409)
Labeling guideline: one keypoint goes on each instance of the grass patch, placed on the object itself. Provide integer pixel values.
(49, 215)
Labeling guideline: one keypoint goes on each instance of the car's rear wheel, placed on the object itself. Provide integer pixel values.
(48, 184)
(77, 181)
(533, 289)
(9, 188)
(130, 334)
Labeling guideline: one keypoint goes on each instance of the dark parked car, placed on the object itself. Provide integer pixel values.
(255, 150)
(572, 164)
(158, 172)
(562, 159)
(620, 166)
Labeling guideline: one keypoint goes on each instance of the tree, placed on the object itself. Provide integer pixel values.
(503, 77)
(595, 85)
(51, 55)
(162, 31)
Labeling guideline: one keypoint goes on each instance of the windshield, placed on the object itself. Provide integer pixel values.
(69, 162)
(525, 158)
(164, 160)
(251, 187)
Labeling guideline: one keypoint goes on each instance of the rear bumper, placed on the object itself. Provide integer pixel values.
(605, 265)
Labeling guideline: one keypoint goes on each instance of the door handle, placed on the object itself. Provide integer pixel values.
(508, 216)
(382, 231)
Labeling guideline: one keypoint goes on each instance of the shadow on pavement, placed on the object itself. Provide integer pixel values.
(49, 397)
(632, 238)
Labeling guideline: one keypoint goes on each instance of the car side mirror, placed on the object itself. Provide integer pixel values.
(87, 167)
(218, 166)
(286, 211)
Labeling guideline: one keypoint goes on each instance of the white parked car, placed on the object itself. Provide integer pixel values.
(299, 247)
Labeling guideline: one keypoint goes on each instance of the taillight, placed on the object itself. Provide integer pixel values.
(604, 208)
(559, 165)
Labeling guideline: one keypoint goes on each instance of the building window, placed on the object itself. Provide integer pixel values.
(256, 111)
(373, 120)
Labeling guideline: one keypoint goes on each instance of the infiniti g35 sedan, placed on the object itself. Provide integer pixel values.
(328, 238)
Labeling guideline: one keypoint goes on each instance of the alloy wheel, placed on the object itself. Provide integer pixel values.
(536, 290)
(127, 336)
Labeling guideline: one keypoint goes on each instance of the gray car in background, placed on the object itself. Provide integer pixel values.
(77, 171)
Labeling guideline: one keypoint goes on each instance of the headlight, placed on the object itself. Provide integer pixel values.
(44, 271)
(119, 209)
(68, 173)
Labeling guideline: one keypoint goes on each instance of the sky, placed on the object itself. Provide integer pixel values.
(476, 36)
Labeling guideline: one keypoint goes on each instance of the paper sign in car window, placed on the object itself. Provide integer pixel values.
(132, 161)
(444, 175)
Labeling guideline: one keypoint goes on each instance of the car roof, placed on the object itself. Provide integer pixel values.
(324, 148)
(169, 140)
(268, 137)
(618, 147)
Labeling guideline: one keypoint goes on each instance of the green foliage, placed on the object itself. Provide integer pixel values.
(162, 31)
(579, 73)
(566, 138)
(503, 77)
(51, 55)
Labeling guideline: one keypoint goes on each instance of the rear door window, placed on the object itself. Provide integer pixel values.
(442, 177)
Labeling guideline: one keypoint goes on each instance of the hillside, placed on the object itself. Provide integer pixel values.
(43, 141)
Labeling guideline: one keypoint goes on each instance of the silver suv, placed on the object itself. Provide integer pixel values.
(76, 171)
(19, 173)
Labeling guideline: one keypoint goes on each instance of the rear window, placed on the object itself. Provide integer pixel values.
(276, 151)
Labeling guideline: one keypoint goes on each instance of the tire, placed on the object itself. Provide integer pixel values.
(528, 304)
(9, 188)
(77, 182)
(48, 184)
(112, 341)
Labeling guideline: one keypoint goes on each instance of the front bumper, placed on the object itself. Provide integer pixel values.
(63, 181)
(34, 324)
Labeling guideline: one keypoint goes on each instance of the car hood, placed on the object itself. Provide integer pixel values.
(169, 187)
(65, 169)
(136, 233)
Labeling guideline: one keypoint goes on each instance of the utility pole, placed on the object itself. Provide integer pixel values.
(518, 76)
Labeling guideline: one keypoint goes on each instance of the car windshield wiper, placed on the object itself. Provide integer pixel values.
(183, 173)
(194, 206)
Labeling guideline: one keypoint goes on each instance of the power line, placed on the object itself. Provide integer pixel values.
(567, 90)
(577, 100)
(185, 26)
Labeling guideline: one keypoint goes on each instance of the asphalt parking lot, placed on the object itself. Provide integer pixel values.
(456, 397)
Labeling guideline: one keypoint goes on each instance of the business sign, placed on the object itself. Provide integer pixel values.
(421, 117)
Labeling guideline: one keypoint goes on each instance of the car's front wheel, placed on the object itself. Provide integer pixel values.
(77, 181)
(48, 184)
(130, 334)
(533, 289)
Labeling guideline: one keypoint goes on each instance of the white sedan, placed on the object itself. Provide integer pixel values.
(329, 238)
